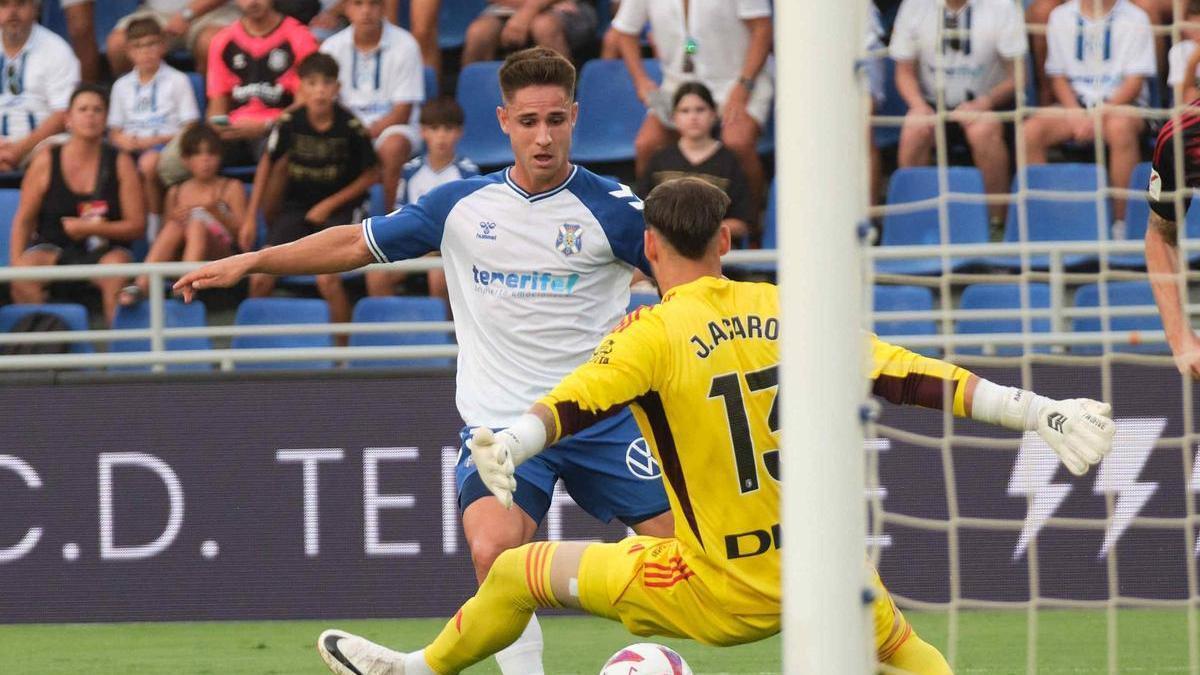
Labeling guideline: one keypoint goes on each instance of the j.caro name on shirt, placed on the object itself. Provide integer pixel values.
(748, 327)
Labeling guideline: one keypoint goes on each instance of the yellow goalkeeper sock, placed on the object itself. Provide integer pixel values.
(918, 657)
(517, 584)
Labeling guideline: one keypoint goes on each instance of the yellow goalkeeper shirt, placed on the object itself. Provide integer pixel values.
(700, 372)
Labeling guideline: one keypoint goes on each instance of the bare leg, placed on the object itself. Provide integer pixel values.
(986, 138)
(200, 49)
(482, 40)
(110, 287)
(165, 248)
(200, 244)
(331, 288)
(651, 137)
(81, 31)
(741, 138)
(916, 142)
(32, 292)
(117, 60)
(261, 285)
(547, 31)
(1122, 133)
(423, 18)
(151, 187)
(382, 284)
(393, 153)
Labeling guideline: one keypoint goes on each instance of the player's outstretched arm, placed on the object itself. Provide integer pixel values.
(335, 249)
(1162, 261)
(1080, 430)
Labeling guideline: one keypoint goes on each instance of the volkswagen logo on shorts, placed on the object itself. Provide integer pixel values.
(640, 462)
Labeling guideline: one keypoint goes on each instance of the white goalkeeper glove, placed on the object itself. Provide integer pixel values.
(1079, 430)
(497, 455)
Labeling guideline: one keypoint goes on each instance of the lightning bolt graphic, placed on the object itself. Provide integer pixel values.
(1036, 464)
(1134, 440)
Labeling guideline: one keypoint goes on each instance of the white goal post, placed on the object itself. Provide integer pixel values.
(821, 170)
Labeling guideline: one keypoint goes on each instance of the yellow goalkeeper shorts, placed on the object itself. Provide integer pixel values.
(645, 583)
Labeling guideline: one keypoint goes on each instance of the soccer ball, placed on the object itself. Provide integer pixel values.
(646, 658)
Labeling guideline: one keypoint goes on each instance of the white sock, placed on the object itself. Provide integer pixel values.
(523, 657)
(414, 664)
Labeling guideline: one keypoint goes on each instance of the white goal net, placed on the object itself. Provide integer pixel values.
(1007, 562)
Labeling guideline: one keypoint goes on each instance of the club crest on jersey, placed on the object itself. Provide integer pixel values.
(278, 60)
(570, 239)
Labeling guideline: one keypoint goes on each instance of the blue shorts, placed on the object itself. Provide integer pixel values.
(606, 469)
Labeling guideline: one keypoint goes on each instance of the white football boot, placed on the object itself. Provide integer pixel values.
(347, 654)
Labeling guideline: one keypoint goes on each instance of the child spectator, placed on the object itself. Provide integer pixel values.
(383, 82)
(187, 24)
(323, 156)
(150, 105)
(81, 201)
(1184, 58)
(699, 154)
(38, 72)
(441, 130)
(1099, 55)
(203, 213)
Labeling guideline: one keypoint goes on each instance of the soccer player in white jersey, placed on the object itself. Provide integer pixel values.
(1100, 54)
(968, 46)
(383, 82)
(538, 259)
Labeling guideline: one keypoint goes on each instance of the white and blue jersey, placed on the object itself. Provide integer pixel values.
(417, 178)
(535, 280)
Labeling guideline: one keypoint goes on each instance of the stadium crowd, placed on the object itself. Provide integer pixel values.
(234, 124)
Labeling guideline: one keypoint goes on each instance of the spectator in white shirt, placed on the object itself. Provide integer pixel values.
(382, 82)
(38, 72)
(970, 45)
(1184, 59)
(723, 44)
(1099, 55)
(149, 106)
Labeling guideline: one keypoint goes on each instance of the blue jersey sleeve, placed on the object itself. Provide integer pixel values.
(619, 212)
(417, 228)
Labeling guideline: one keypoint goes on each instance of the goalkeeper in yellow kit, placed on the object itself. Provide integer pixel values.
(700, 373)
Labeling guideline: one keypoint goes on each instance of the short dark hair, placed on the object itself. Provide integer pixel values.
(1193, 8)
(318, 63)
(89, 88)
(696, 88)
(196, 136)
(443, 111)
(143, 27)
(536, 66)
(687, 211)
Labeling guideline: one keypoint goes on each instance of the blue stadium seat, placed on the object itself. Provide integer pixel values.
(641, 300)
(9, 198)
(967, 220)
(276, 311)
(610, 113)
(1120, 294)
(431, 83)
(379, 310)
(766, 142)
(453, 20)
(176, 314)
(75, 316)
(197, 81)
(1055, 219)
(377, 208)
(904, 299)
(479, 95)
(1002, 296)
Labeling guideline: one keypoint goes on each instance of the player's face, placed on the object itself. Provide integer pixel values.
(539, 121)
(365, 13)
(319, 92)
(17, 17)
(694, 118)
(87, 116)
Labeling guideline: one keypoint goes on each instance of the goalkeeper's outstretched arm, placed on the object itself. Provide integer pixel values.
(1079, 430)
(1162, 261)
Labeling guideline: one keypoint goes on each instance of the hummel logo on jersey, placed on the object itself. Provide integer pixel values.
(1055, 421)
(486, 228)
(627, 194)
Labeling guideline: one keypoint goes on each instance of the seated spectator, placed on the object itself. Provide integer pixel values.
(565, 26)
(251, 80)
(150, 105)
(1184, 59)
(423, 23)
(700, 155)
(1098, 57)
(976, 71)
(1037, 13)
(81, 35)
(726, 50)
(319, 165)
(187, 24)
(383, 82)
(203, 213)
(441, 130)
(81, 203)
(37, 75)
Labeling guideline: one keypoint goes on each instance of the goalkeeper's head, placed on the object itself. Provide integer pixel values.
(685, 233)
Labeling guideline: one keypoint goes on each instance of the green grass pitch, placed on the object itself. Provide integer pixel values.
(1150, 641)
